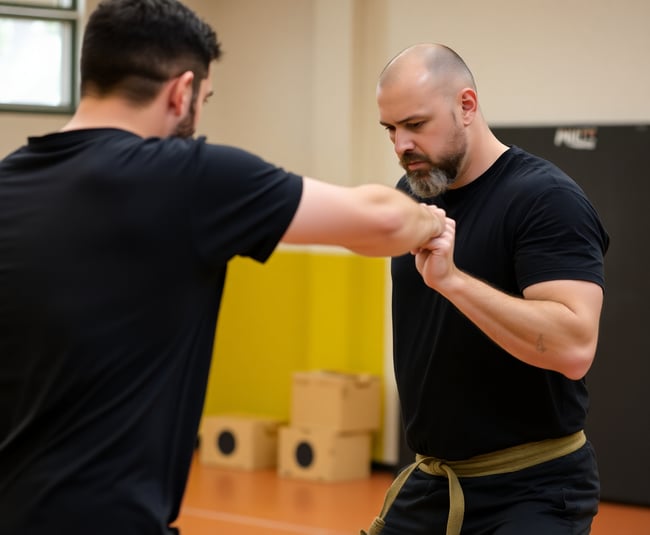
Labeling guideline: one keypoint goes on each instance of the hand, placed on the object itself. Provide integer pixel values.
(438, 222)
(434, 260)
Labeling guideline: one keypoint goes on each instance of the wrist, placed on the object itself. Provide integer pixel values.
(452, 284)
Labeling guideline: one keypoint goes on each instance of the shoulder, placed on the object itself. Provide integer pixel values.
(193, 148)
(528, 178)
(213, 165)
(540, 195)
(535, 169)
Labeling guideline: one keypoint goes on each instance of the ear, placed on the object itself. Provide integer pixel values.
(180, 93)
(469, 104)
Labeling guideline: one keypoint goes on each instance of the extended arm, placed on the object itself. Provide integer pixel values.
(554, 326)
(371, 219)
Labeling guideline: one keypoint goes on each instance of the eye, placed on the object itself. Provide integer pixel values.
(415, 125)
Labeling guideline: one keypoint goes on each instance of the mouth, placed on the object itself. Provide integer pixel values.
(415, 165)
(414, 162)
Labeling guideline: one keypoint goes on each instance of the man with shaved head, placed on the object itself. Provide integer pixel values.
(494, 326)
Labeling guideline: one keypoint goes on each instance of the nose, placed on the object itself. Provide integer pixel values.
(403, 142)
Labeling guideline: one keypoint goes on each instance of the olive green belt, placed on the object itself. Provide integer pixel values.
(498, 462)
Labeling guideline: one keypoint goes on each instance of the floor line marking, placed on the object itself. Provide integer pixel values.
(259, 522)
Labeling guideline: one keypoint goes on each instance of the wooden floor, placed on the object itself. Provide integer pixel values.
(222, 501)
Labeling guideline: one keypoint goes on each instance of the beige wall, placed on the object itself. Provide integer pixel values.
(298, 78)
(542, 61)
(296, 82)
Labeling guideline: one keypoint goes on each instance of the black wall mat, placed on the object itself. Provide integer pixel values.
(612, 165)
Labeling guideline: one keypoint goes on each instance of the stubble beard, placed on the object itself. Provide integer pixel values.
(186, 129)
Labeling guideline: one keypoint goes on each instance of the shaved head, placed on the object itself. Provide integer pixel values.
(428, 63)
(427, 103)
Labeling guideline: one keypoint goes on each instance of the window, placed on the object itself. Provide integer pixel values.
(38, 55)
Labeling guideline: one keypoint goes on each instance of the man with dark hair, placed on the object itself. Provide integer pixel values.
(495, 326)
(115, 235)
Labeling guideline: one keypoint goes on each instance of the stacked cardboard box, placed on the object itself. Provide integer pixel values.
(245, 442)
(333, 416)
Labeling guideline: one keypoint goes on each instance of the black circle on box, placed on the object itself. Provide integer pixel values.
(304, 454)
(226, 442)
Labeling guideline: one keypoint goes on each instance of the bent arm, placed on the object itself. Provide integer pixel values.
(555, 325)
(370, 219)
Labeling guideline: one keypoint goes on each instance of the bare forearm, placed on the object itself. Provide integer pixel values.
(541, 332)
(372, 219)
(392, 223)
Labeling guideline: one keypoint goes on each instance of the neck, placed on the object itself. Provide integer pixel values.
(483, 150)
(115, 112)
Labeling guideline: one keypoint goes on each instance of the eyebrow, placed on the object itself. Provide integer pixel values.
(408, 119)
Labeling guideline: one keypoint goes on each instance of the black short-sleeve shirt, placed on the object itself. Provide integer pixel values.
(113, 253)
(522, 222)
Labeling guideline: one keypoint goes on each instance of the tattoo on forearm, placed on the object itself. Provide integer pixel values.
(540, 344)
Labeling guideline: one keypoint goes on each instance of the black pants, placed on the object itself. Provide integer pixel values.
(558, 497)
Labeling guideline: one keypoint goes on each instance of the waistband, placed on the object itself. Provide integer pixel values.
(498, 462)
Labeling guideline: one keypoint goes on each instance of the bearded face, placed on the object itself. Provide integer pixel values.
(435, 176)
(431, 182)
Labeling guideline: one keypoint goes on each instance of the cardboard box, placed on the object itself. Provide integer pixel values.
(239, 441)
(323, 454)
(338, 401)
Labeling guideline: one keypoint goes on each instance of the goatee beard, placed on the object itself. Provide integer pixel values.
(435, 180)
(429, 184)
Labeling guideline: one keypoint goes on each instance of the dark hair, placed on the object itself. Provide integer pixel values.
(132, 47)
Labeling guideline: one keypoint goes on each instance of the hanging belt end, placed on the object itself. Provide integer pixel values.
(375, 528)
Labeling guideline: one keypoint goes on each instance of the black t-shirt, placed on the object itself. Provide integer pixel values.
(113, 253)
(522, 222)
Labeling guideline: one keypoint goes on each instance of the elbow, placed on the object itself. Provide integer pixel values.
(396, 230)
(578, 363)
(394, 224)
(578, 354)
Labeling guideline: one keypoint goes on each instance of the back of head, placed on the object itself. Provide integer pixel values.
(131, 47)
